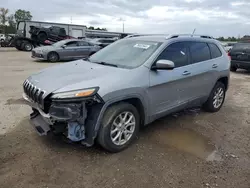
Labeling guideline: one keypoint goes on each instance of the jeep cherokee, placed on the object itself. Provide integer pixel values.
(129, 83)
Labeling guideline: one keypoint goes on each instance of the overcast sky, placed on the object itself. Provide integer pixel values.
(212, 17)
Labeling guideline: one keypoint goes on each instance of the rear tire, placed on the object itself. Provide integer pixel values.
(117, 130)
(27, 46)
(53, 57)
(233, 68)
(216, 98)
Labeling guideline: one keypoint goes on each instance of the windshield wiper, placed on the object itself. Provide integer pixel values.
(105, 63)
(86, 59)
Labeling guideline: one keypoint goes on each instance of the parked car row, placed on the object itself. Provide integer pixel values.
(107, 97)
(69, 49)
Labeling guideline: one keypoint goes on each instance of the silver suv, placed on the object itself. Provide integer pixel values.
(130, 83)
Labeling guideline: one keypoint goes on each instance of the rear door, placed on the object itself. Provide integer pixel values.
(83, 49)
(205, 62)
(54, 32)
(71, 50)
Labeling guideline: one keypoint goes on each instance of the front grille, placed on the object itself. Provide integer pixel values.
(34, 93)
(33, 53)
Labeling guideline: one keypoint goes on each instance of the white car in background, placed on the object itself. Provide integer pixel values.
(227, 46)
(2, 37)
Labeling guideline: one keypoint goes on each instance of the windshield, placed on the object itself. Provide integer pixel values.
(60, 43)
(126, 53)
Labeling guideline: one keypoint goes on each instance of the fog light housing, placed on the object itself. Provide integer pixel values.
(65, 112)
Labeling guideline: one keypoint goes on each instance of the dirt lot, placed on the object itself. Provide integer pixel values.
(189, 149)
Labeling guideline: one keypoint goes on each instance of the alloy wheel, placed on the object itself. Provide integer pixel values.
(122, 128)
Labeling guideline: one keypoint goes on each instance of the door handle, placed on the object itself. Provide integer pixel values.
(185, 73)
(214, 66)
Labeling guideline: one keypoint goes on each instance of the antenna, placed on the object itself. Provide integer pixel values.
(193, 32)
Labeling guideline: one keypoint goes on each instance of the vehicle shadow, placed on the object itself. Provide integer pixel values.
(45, 61)
(242, 71)
(24, 135)
(8, 49)
(147, 134)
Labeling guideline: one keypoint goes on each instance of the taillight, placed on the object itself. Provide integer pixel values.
(229, 55)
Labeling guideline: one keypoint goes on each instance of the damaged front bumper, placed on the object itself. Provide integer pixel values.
(76, 121)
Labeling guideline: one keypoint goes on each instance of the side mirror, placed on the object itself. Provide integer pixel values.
(163, 65)
(64, 46)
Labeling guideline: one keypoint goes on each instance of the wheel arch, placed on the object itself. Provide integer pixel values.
(135, 100)
(224, 80)
(53, 52)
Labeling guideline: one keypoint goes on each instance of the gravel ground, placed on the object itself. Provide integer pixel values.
(188, 149)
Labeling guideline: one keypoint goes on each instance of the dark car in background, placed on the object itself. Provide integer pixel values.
(53, 33)
(8, 41)
(69, 49)
(240, 56)
(103, 42)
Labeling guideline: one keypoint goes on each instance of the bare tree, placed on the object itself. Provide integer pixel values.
(3, 17)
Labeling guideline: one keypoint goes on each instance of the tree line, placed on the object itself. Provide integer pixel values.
(233, 39)
(8, 22)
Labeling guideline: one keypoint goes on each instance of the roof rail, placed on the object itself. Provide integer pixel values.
(191, 35)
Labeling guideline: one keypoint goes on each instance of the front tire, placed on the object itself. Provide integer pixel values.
(119, 127)
(216, 98)
(53, 57)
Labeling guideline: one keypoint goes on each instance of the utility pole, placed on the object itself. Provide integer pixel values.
(193, 31)
(71, 19)
(122, 20)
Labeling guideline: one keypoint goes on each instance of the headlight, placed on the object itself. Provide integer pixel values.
(75, 94)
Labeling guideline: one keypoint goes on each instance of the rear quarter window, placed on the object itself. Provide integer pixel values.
(215, 51)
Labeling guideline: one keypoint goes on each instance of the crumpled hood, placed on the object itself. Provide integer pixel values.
(76, 75)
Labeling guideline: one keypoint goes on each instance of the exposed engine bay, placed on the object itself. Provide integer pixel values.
(75, 120)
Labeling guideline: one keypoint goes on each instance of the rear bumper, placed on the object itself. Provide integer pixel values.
(240, 64)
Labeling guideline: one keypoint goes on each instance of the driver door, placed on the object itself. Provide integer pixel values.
(167, 85)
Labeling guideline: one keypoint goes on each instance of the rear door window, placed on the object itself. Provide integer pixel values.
(83, 43)
(199, 52)
(72, 44)
(215, 51)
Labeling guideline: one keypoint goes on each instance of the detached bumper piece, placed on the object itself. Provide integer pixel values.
(40, 125)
